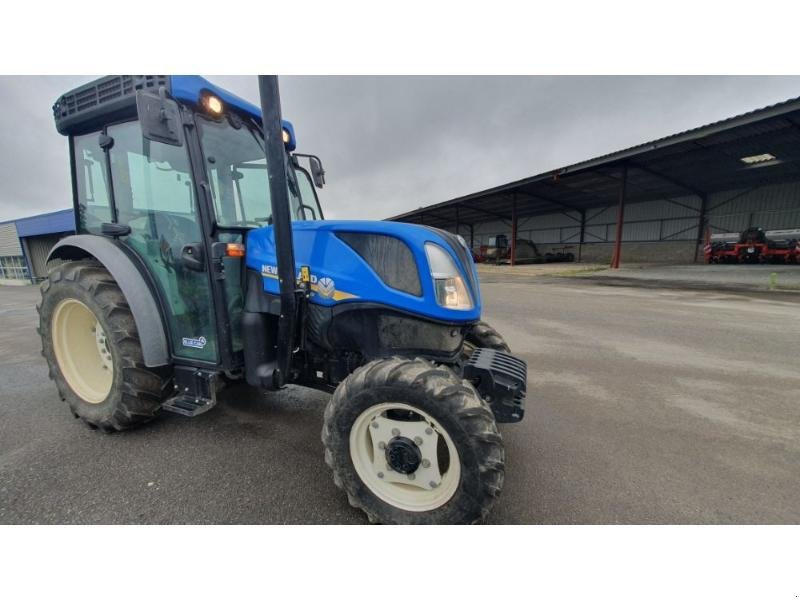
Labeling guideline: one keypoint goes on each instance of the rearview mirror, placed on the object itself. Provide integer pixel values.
(317, 172)
(159, 117)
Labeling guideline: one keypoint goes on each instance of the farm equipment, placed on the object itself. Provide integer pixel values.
(753, 245)
(498, 251)
(201, 259)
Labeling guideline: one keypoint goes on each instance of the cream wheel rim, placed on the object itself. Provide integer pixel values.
(82, 351)
(378, 431)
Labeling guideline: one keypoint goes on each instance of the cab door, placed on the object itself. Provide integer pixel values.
(155, 195)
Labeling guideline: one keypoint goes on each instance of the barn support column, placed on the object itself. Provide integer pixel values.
(615, 259)
(583, 234)
(472, 236)
(26, 255)
(458, 222)
(513, 230)
(701, 225)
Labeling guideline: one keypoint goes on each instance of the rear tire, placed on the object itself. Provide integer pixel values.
(447, 409)
(92, 348)
(483, 335)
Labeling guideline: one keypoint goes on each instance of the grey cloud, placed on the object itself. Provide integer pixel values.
(392, 144)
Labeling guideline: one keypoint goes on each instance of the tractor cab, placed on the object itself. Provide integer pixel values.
(168, 191)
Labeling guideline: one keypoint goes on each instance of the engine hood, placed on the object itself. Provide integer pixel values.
(344, 272)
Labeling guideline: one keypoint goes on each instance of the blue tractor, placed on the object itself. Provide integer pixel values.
(201, 259)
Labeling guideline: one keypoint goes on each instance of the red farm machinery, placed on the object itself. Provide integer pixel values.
(754, 245)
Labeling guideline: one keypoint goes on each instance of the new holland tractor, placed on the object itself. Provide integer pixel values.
(201, 259)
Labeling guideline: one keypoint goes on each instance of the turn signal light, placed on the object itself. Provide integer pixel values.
(235, 250)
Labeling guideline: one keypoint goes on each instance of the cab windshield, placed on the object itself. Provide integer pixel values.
(237, 171)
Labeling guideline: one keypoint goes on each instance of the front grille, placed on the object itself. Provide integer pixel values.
(501, 379)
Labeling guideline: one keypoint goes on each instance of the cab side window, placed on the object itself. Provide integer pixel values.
(94, 206)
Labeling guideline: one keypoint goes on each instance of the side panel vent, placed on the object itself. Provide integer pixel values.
(389, 257)
(91, 106)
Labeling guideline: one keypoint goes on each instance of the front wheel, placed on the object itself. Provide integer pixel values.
(410, 442)
(483, 335)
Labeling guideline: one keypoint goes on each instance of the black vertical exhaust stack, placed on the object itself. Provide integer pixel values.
(281, 223)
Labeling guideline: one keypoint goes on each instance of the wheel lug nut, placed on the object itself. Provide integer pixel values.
(428, 431)
(418, 441)
(395, 432)
(411, 476)
(426, 463)
(380, 475)
(382, 445)
(433, 484)
(374, 424)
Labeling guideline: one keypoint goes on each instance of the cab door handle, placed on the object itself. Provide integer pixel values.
(193, 257)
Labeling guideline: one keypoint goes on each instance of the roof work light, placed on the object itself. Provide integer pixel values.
(212, 104)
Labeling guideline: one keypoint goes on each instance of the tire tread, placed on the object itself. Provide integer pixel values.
(142, 389)
(445, 386)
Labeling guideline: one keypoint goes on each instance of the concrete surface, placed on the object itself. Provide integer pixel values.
(756, 278)
(645, 406)
(664, 251)
(702, 276)
(537, 270)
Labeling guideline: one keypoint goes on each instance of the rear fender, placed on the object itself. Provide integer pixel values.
(138, 294)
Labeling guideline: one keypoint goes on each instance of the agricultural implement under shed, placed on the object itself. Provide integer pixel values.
(498, 251)
(754, 245)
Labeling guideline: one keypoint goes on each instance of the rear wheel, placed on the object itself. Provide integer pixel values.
(91, 345)
(410, 442)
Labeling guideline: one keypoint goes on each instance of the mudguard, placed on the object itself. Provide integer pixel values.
(133, 285)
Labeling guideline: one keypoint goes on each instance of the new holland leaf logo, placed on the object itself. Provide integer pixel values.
(326, 287)
(322, 286)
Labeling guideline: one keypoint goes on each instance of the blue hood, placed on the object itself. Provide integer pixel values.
(340, 275)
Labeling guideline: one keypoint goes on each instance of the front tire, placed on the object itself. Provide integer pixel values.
(91, 344)
(411, 442)
(483, 335)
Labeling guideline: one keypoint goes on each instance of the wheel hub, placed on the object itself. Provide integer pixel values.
(403, 455)
(82, 350)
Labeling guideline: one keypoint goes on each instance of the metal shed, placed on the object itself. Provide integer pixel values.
(719, 177)
(38, 234)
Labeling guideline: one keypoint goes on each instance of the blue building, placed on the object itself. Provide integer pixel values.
(25, 243)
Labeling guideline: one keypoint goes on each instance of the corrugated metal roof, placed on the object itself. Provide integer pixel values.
(54, 222)
(696, 161)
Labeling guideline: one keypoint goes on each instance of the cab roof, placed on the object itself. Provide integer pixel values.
(113, 98)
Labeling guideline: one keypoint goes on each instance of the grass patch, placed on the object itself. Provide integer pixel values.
(576, 272)
(774, 286)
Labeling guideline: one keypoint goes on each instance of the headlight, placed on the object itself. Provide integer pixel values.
(447, 281)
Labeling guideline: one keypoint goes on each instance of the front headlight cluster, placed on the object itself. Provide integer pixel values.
(451, 292)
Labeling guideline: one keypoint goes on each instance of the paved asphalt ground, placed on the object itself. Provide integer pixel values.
(645, 406)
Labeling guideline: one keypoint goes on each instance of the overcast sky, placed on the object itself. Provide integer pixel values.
(393, 144)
